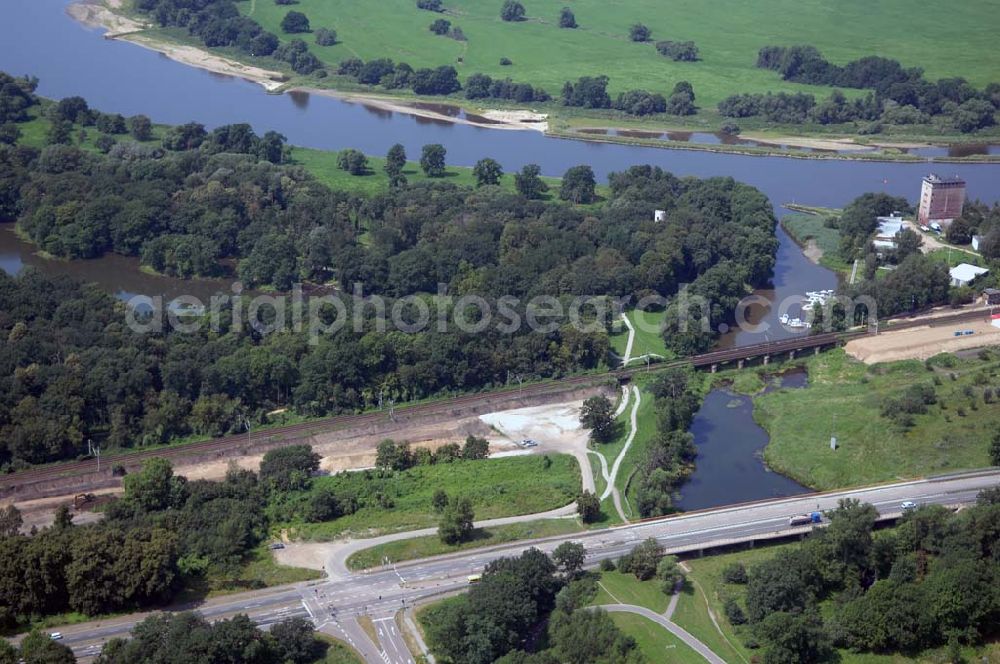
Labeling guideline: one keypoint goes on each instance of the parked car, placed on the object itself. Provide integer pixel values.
(908, 506)
(277, 545)
(55, 636)
(527, 442)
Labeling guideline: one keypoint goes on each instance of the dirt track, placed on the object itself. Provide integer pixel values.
(351, 449)
(922, 342)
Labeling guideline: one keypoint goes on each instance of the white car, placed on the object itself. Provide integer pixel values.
(529, 443)
(908, 506)
(55, 636)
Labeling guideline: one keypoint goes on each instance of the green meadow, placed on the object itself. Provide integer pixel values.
(845, 398)
(728, 34)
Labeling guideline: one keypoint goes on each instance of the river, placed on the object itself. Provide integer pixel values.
(729, 467)
(37, 37)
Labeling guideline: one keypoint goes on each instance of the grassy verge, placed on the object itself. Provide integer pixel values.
(654, 641)
(618, 588)
(431, 545)
(508, 486)
(337, 652)
(954, 434)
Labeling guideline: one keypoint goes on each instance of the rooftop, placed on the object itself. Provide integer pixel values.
(934, 178)
(965, 272)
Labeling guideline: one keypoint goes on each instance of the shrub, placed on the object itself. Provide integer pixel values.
(440, 26)
(512, 11)
(734, 614)
(566, 18)
(639, 33)
(730, 128)
(295, 22)
(430, 5)
(677, 51)
(734, 573)
(505, 62)
(326, 37)
(607, 565)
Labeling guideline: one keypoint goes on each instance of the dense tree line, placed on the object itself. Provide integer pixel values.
(669, 456)
(592, 92)
(216, 22)
(501, 618)
(481, 86)
(188, 637)
(932, 581)
(162, 535)
(441, 80)
(900, 96)
(717, 241)
(980, 219)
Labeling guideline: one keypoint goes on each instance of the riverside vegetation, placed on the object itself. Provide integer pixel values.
(789, 69)
(195, 201)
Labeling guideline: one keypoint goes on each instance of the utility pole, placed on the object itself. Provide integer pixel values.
(95, 451)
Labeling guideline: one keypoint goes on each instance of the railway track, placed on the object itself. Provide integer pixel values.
(233, 444)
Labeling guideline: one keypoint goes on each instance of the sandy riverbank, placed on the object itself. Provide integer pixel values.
(95, 14)
(498, 119)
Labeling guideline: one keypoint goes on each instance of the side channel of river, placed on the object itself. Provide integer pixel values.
(729, 467)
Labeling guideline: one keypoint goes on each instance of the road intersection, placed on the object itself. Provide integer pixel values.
(338, 604)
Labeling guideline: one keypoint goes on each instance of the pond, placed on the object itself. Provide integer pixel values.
(729, 467)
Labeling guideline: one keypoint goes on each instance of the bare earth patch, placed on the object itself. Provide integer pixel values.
(96, 15)
(813, 143)
(922, 342)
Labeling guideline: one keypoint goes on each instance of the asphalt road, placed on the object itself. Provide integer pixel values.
(336, 604)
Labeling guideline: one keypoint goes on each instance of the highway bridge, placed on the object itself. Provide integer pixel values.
(335, 604)
(84, 475)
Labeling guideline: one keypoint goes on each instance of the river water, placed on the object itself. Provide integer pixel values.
(729, 468)
(38, 38)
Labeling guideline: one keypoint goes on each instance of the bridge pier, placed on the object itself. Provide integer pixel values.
(791, 355)
(767, 358)
(715, 367)
(739, 364)
(816, 350)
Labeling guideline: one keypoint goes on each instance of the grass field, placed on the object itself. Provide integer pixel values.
(509, 486)
(728, 34)
(845, 397)
(431, 545)
(618, 588)
(647, 335)
(655, 642)
(805, 227)
(323, 165)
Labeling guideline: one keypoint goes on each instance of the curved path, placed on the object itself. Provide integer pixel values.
(631, 340)
(670, 626)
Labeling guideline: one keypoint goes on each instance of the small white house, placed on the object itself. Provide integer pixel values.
(964, 274)
(975, 242)
(659, 215)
